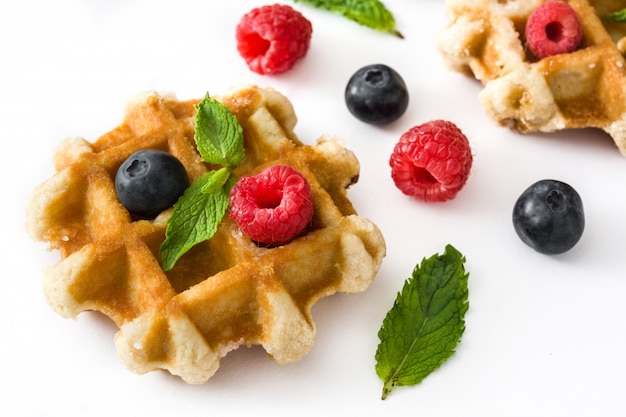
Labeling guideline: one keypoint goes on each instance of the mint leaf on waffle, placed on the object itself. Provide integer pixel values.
(200, 210)
(219, 136)
(619, 17)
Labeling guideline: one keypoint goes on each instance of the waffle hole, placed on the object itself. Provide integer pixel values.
(516, 98)
(577, 90)
(615, 29)
(199, 263)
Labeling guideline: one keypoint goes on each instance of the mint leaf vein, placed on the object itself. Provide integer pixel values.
(195, 218)
(198, 213)
(425, 324)
(218, 134)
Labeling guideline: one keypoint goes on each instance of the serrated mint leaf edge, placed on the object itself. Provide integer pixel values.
(216, 181)
(218, 134)
(202, 212)
(370, 13)
(219, 140)
(391, 373)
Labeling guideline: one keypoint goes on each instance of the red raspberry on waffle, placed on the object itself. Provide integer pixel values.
(225, 292)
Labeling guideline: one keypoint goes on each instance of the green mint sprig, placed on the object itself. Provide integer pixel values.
(619, 17)
(425, 324)
(370, 13)
(200, 210)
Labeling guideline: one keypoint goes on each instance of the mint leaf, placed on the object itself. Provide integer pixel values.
(619, 17)
(219, 135)
(196, 215)
(425, 324)
(370, 13)
(216, 181)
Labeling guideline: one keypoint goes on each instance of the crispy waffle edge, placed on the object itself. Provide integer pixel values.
(582, 89)
(226, 292)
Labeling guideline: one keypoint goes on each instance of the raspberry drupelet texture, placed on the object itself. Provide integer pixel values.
(272, 207)
(553, 28)
(432, 161)
(273, 38)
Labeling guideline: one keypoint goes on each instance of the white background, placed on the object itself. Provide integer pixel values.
(545, 335)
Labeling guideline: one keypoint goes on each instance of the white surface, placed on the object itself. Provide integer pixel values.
(545, 335)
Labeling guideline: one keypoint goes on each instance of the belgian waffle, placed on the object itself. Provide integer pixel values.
(226, 292)
(585, 88)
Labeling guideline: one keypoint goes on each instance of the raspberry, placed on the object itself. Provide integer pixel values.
(273, 206)
(553, 28)
(431, 161)
(272, 38)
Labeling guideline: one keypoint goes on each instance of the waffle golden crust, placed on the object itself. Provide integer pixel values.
(225, 292)
(585, 88)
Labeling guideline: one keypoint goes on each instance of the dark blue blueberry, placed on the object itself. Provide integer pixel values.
(549, 217)
(376, 94)
(150, 181)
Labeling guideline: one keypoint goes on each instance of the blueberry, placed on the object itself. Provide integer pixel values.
(376, 94)
(549, 217)
(150, 181)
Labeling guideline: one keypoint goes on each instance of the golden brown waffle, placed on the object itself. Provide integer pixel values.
(224, 293)
(585, 88)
